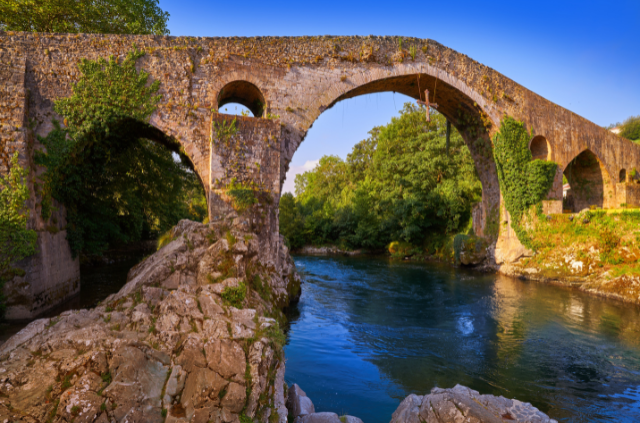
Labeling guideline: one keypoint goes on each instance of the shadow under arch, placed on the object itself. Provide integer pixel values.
(120, 136)
(466, 116)
(589, 181)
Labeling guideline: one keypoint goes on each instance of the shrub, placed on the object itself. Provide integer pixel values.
(234, 295)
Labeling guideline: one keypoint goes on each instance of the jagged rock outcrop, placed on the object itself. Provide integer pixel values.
(462, 404)
(192, 337)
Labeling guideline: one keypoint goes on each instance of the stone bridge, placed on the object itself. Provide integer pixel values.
(287, 82)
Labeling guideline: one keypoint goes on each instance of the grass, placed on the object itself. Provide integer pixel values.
(613, 234)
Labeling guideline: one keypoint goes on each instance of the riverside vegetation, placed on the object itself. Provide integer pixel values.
(403, 191)
(403, 183)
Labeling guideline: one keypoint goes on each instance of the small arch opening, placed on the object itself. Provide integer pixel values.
(539, 147)
(623, 176)
(587, 183)
(243, 93)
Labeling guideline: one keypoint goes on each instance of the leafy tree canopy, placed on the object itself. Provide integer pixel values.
(117, 185)
(399, 184)
(630, 128)
(88, 16)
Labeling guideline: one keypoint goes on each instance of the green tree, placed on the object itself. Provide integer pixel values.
(88, 16)
(16, 241)
(116, 184)
(630, 128)
(292, 223)
(399, 184)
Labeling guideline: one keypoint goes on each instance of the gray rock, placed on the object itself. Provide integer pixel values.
(298, 403)
(460, 404)
(324, 417)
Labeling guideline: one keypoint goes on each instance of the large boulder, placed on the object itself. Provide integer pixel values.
(168, 347)
(462, 404)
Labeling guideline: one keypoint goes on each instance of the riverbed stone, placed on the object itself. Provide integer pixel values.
(180, 350)
(298, 403)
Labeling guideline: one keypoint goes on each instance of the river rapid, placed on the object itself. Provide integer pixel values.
(369, 331)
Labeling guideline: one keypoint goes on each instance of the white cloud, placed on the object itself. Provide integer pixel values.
(289, 182)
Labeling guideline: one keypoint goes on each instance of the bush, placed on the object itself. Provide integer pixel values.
(234, 295)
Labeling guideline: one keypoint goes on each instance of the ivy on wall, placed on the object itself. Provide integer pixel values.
(117, 185)
(524, 182)
(16, 241)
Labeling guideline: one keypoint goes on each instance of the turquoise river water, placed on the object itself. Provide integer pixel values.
(368, 331)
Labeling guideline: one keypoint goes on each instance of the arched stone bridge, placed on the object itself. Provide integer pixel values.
(295, 79)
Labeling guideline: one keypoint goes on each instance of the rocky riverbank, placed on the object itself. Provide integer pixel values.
(458, 404)
(192, 336)
(327, 250)
(597, 252)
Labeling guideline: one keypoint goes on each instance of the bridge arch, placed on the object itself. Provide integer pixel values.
(589, 181)
(540, 148)
(456, 102)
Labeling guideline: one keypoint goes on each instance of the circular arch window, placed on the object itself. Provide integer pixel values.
(244, 93)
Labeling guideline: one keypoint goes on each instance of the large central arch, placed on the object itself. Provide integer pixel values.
(465, 115)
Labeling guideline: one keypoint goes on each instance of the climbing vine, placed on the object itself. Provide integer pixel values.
(523, 182)
(16, 241)
(107, 92)
(116, 184)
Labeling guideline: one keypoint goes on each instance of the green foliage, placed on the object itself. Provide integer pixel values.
(106, 93)
(116, 184)
(291, 221)
(523, 182)
(84, 16)
(234, 295)
(261, 287)
(243, 197)
(612, 234)
(225, 131)
(630, 128)
(16, 241)
(397, 185)
(165, 239)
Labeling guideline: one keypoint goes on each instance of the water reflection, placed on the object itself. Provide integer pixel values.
(372, 331)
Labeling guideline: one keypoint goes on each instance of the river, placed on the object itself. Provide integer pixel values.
(369, 331)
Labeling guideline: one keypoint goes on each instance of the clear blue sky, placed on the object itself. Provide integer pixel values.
(582, 55)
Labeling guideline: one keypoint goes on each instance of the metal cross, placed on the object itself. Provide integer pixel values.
(426, 103)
